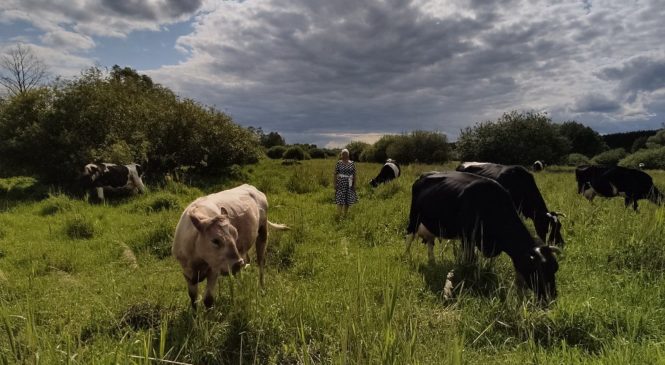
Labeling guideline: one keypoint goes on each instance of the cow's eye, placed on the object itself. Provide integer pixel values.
(217, 242)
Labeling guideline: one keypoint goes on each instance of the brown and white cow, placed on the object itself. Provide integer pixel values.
(215, 233)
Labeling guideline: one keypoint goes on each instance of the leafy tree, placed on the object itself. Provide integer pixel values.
(356, 148)
(119, 117)
(515, 138)
(625, 140)
(582, 139)
(639, 143)
(611, 157)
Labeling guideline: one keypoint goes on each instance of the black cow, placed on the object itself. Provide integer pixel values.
(525, 194)
(586, 173)
(108, 176)
(480, 212)
(632, 184)
(388, 172)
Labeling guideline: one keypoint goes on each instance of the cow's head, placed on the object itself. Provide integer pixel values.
(373, 183)
(216, 241)
(537, 268)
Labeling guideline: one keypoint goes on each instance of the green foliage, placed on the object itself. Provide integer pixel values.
(657, 140)
(356, 148)
(583, 139)
(417, 146)
(276, 152)
(626, 140)
(317, 153)
(515, 138)
(295, 153)
(652, 158)
(577, 159)
(118, 117)
(639, 143)
(611, 157)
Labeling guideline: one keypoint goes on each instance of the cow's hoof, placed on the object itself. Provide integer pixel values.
(208, 302)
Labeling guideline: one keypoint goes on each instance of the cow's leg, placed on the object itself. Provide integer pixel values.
(430, 250)
(261, 243)
(100, 193)
(635, 205)
(209, 297)
(193, 291)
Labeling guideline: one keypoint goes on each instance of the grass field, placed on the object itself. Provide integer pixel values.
(95, 284)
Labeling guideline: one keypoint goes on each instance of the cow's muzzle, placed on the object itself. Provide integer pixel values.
(237, 266)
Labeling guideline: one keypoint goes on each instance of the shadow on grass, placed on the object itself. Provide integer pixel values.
(449, 279)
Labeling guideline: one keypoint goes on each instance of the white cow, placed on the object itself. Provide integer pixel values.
(215, 233)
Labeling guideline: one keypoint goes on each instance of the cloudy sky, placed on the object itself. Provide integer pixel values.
(328, 72)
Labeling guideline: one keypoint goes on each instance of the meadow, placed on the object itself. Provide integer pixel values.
(88, 283)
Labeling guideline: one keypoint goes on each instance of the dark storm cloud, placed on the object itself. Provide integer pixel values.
(596, 104)
(151, 10)
(326, 67)
(638, 74)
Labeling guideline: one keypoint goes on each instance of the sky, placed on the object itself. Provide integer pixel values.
(328, 72)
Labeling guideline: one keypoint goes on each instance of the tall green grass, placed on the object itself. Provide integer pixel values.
(338, 290)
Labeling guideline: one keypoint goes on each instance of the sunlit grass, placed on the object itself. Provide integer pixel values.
(94, 284)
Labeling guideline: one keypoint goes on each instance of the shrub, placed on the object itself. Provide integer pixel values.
(119, 116)
(317, 153)
(356, 148)
(295, 153)
(611, 157)
(79, 227)
(515, 138)
(583, 140)
(577, 159)
(276, 152)
(652, 158)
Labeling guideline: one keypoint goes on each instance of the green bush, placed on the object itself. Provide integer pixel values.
(583, 140)
(652, 158)
(577, 159)
(276, 152)
(317, 153)
(356, 148)
(295, 153)
(515, 138)
(119, 117)
(611, 157)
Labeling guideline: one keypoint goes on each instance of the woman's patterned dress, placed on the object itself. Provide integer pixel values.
(345, 194)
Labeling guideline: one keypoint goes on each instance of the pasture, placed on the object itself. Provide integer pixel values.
(95, 284)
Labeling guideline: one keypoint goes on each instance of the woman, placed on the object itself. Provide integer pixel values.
(345, 183)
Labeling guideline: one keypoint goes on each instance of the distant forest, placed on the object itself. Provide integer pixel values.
(627, 140)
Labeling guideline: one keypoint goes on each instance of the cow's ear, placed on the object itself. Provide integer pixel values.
(223, 212)
(199, 221)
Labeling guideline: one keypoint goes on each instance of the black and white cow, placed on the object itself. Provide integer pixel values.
(586, 173)
(538, 166)
(632, 184)
(481, 213)
(389, 171)
(525, 195)
(108, 176)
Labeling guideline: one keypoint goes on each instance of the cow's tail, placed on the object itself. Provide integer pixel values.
(656, 196)
(279, 227)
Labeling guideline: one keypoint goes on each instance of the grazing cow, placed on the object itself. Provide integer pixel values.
(215, 233)
(389, 171)
(480, 212)
(108, 176)
(586, 173)
(538, 166)
(525, 194)
(632, 184)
